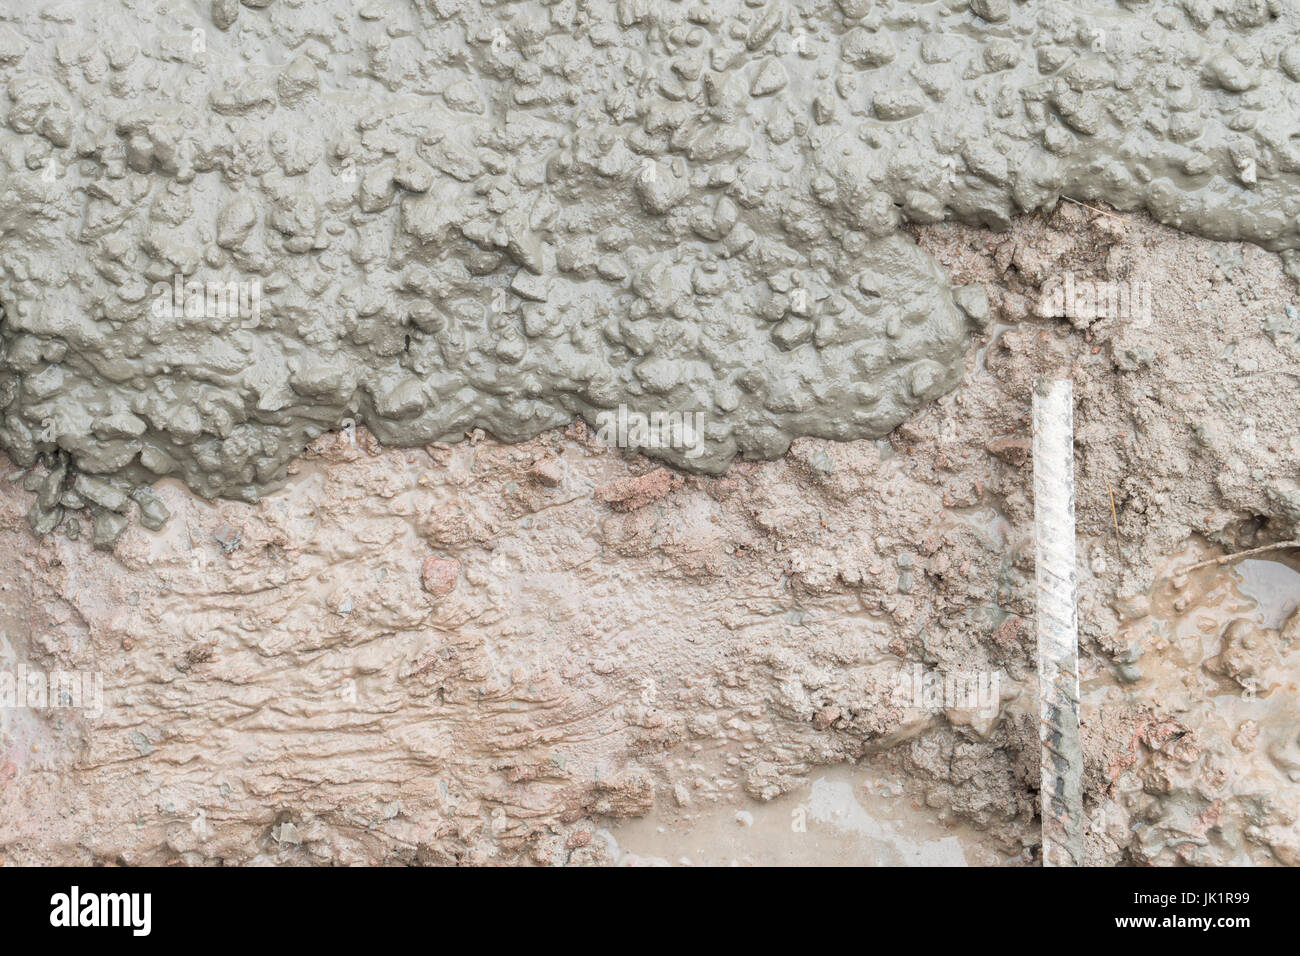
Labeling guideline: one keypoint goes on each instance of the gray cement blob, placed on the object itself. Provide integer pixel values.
(226, 228)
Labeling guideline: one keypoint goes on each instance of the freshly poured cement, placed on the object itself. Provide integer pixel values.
(445, 214)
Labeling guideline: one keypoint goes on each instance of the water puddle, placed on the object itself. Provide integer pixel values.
(1212, 649)
(845, 816)
(1274, 586)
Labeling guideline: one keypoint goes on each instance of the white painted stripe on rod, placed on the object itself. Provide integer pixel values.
(1056, 615)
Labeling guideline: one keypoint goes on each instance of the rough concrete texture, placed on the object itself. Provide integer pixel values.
(441, 215)
(491, 653)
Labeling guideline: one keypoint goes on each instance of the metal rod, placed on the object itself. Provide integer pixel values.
(1057, 624)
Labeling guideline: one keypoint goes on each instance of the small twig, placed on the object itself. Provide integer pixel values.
(1096, 210)
(1227, 558)
(1115, 518)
